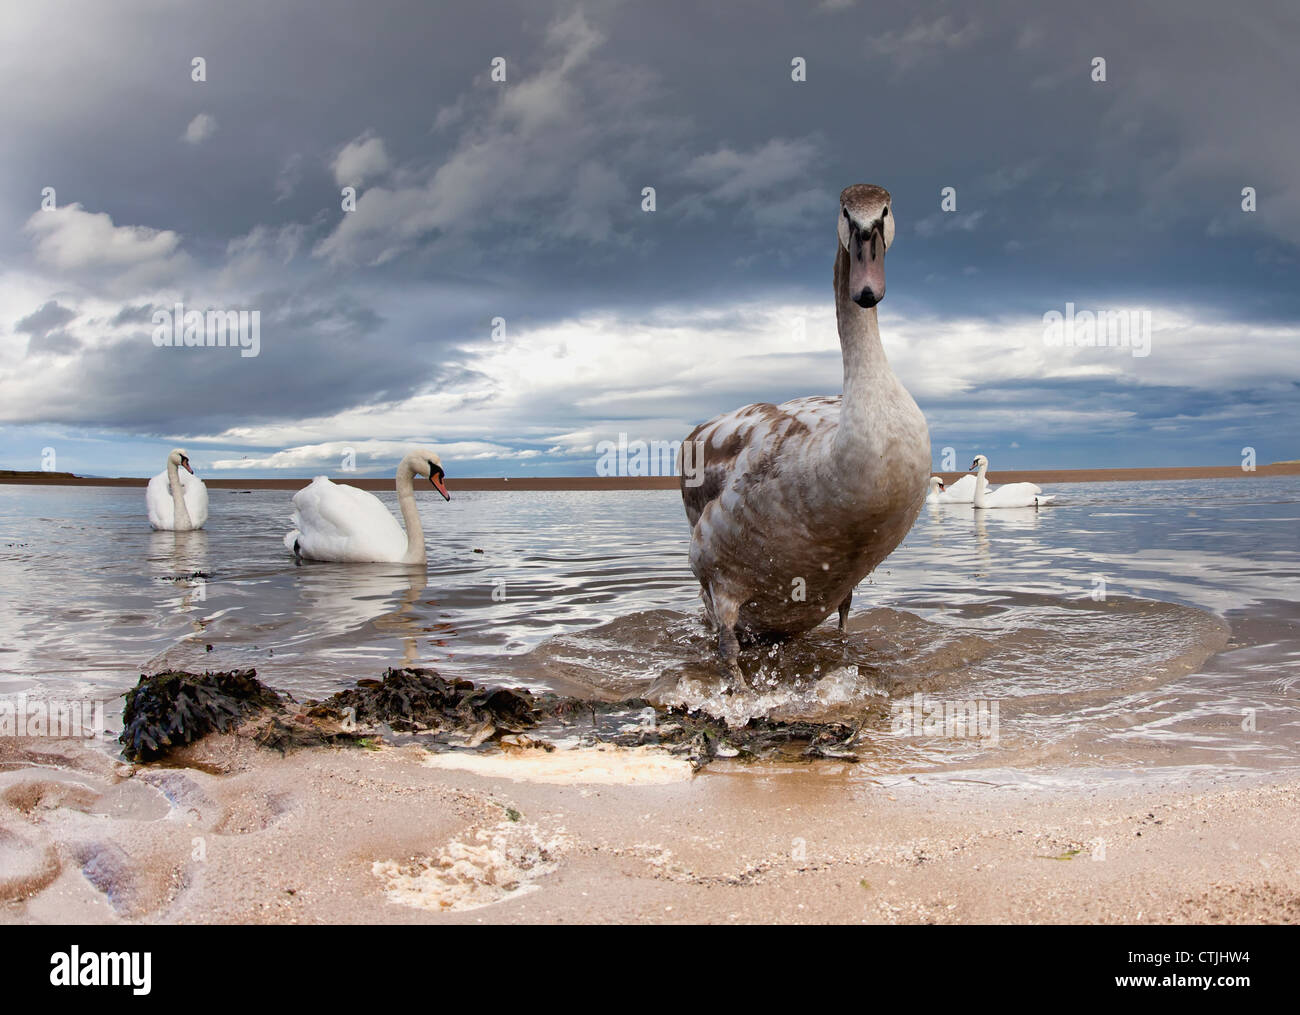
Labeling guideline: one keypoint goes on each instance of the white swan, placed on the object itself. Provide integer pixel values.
(1009, 495)
(960, 492)
(963, 491)
(336, 522)
(798, 502)
(177, 501)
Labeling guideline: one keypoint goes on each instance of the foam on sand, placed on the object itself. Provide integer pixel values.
(490, 866)
(601, 765)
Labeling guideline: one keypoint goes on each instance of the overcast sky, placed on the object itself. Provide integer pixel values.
(522, 200)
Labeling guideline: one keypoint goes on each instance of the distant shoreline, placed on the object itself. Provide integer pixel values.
(541, 483)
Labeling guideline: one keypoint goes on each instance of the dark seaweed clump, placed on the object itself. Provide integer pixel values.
(419, 700)
(177, 707)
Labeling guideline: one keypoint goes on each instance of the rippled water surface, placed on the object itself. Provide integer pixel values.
(1126, 626)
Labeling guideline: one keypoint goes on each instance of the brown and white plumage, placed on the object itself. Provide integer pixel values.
(800, 501)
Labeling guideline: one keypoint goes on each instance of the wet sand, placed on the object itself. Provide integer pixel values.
(536, 483)
(382, 836)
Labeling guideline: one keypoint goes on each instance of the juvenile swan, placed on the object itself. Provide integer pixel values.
(177, 504)
(336, 522)
(800, 501)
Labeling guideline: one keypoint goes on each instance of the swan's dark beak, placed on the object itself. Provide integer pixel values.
(867, 266)
(436, 480)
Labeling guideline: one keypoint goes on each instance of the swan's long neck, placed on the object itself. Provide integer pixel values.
(415, 553)
(979, 486)
(865, 367)
(182, 513)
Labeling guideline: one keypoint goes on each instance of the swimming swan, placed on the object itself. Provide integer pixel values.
(1009, 495)
(336, 522)
(797, 503)
(176, 501)
(960, 492)
(963, 491)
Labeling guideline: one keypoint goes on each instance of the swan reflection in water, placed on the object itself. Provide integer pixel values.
(179, 558)
(352, 606)
(945, 522)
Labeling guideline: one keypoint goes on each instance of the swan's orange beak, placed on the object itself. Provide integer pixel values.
(185, 464)
(437, 485)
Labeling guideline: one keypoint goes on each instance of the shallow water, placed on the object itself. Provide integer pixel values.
(1126, 626)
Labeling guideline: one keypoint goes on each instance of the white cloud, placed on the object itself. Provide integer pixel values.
(361, 159)
(559, 389)
(923, 41)
(369, 455)
(249, 258)
(200, 129)
(71, 238)
(945, 221)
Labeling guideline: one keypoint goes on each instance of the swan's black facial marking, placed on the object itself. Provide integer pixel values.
(437, 480)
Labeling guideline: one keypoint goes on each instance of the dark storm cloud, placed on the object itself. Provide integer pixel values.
(523, 200)
(46, 319)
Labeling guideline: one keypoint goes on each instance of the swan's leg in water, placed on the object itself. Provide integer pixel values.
(725, 614)
(844, 611)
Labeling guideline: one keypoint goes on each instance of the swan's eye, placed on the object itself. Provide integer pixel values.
(885, 214)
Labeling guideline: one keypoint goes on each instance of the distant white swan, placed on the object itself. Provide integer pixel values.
(1009, 495)
(177, 501)
(336, 522)
(963, 491)
(960, 492)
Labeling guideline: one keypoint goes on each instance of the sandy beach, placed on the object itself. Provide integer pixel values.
(234, 832)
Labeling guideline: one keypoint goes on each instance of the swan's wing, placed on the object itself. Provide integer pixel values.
(158, 501)
(960, 492)
(196, 499)
(338, 522)
(747, 441)
(1014, 495)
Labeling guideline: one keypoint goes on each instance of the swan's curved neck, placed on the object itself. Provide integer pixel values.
(415, 553)
(979, 486)
(182, 513)
(865, 365)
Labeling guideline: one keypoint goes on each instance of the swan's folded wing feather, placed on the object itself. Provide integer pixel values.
(196, 499)
(340, 522)
(745, 440)
(158, 500)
